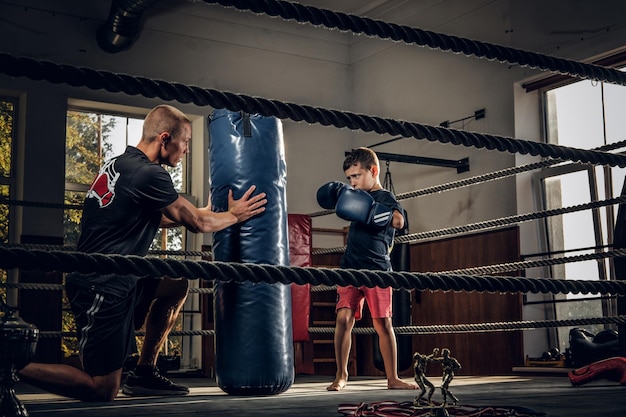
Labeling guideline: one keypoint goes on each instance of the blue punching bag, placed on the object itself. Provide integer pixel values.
(253, 328)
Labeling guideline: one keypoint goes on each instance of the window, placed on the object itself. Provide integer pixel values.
(585, 114)
(93, 137)
(7, 133)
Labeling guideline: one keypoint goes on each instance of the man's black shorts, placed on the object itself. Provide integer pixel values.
(104, 308)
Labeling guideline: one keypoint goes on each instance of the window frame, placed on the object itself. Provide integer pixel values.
(190, 310)
(602, 225)
(11, 182)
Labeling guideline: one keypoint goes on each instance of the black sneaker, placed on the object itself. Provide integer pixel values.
(150, 385)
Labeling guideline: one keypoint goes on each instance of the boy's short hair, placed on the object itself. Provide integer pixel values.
(366, 157)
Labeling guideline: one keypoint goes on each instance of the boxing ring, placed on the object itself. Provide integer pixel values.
(478, 279)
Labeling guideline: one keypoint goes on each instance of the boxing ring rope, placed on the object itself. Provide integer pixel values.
(155, 252)
(409, 238)
(68, 248)
(518, 266)
(416, 330)
(38, 204)
(60, 287)
(482, 178)
(19, 257)
(490, 224)
(487, 224)
(114, 82)
(12, 257)
(484, 327)
(477, 179)
(480, 270)
(409, 35)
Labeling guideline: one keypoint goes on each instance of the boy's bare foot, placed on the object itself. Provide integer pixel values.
(400, 384)
(337, 385)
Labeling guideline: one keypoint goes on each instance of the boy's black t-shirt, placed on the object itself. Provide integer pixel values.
(122, 210)
(368, 247)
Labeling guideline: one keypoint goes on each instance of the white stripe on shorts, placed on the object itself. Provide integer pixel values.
(95, 307)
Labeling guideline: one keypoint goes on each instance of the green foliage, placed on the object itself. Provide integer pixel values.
(85, 145)
(7, 109)
(4, 215)
(4, 235)
(72, 217)
(69, 345)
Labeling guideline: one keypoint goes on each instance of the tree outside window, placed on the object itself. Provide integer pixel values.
(7, 121)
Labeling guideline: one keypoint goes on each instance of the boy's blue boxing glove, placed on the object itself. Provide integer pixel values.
(359, 205)
(328, 194)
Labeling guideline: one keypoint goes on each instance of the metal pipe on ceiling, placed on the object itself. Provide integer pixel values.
(122, 25)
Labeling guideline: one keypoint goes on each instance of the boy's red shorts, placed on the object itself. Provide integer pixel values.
(378, 300)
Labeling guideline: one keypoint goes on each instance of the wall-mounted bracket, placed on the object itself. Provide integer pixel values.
(478, 114)
(461, 165)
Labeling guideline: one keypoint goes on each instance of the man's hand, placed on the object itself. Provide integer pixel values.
(248, 205)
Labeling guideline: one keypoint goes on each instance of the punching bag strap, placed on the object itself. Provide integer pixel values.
(247, 126)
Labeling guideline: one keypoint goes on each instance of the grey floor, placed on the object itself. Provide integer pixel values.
(552, 395)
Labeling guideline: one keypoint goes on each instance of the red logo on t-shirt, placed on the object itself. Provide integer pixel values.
(103, 187)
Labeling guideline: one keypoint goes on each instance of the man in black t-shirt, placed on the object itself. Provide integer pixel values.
(130, 198)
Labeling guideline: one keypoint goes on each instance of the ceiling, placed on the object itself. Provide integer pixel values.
(554, 27)
(535, 25)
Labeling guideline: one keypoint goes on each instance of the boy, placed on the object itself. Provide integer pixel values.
(374, 214)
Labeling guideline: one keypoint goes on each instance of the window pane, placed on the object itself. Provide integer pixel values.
(614, 103)
(92, 138)
(4, 233)
(71, 217)
(83, 146)
(134, 129)
(575, 115)
(173, 239)
(7, 122)
(177, 176)
(4, 215)
(572, 230)
(7, 109)
(69, 344)
(115, 140)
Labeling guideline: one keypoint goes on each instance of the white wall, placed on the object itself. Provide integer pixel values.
(429, 87)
